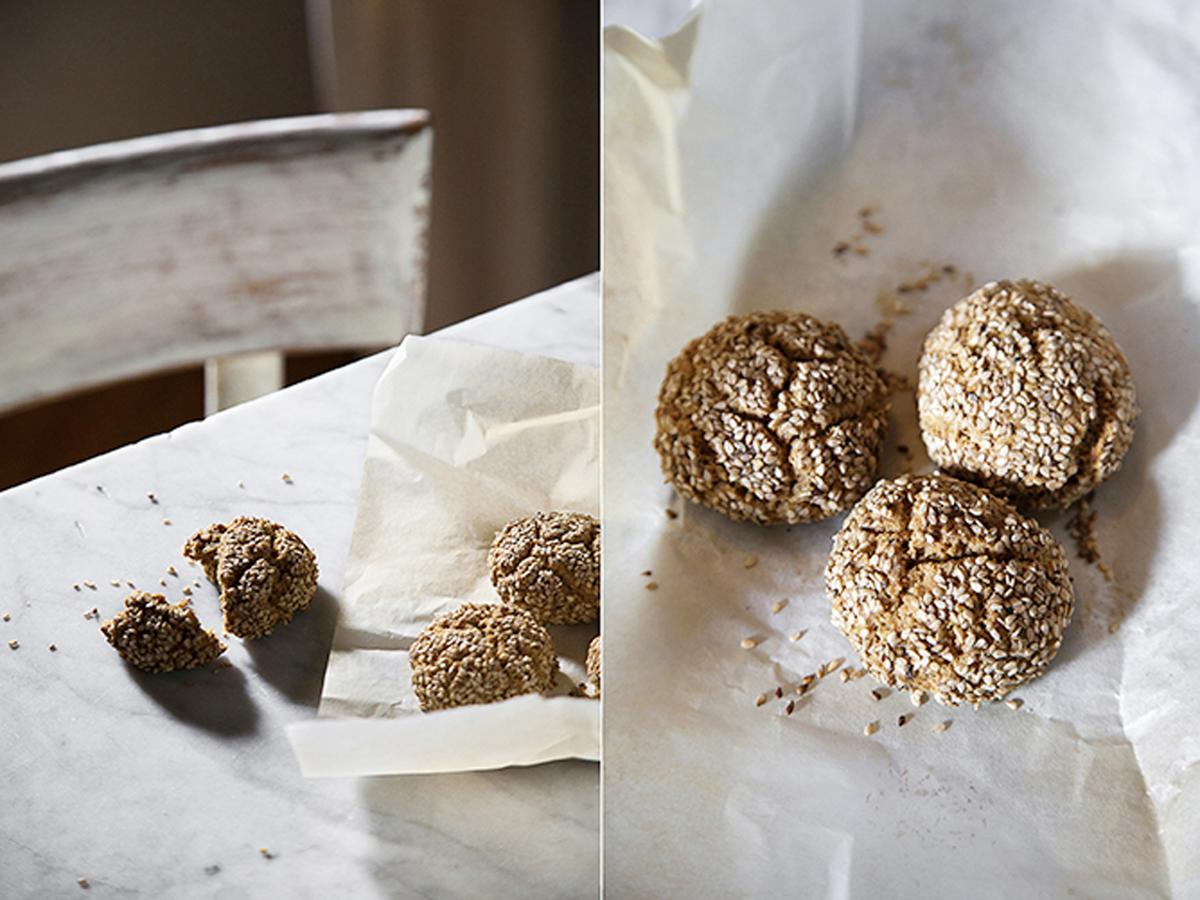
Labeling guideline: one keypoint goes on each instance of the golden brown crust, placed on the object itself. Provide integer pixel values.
(481, 653)
(945, 588)
(772, 417)
(266, 574)
(1026, 393)
(156, 636)
(549, 565)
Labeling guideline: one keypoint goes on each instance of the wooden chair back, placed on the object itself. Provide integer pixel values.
(162, 252)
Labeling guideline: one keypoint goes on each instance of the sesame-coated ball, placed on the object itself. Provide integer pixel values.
(481, 653)
(265, 573)
(156, 636)
(593, 666)
(772, 417)
(943, 587)
(549, 565)
(1024, 392)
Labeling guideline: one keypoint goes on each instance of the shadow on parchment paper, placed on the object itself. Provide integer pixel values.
(214, 699)
(1141, 301)
(292, 658)
(526, 831)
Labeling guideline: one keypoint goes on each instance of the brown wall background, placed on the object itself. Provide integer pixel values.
(514, 91)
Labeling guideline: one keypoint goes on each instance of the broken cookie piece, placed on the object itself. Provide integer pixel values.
(266, 574)
(156, 636)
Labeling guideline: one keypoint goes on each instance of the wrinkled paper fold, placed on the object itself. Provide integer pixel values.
(1000, 143)
(463, 439)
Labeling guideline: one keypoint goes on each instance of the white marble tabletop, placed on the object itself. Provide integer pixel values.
(172, 785)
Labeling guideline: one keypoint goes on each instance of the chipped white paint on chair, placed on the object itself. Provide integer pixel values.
(203, 246)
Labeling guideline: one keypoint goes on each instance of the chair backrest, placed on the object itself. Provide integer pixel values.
(165, 251)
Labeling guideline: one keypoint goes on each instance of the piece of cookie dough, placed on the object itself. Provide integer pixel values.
(481, 653)
(1024, 392)
(549, 565)
(773, 417)
(943, 587)
(156, 636)
(265, 573)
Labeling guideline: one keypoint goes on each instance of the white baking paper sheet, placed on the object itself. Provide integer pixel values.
(463, 439)
(1056, 140)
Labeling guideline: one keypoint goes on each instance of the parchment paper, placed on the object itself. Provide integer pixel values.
(463, 438)
(1058, 141)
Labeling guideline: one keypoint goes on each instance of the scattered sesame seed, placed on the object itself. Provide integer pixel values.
(779, 606)
(917, 698)
(652, 585)
(6, 617)
(844, 675)
(83, 883)
(879, 693)
(671, 514)
(647, 573)
(114, 582)
(760, 699)
(790, 708)
(162, 582)
(13, 645)
(131, 584)
(796, 635)
(778, 692)
(150, 496)
(750, 561)
(53, 648)
(172, 571)
(861, 251)
(1014, 703)
(287, 479)
(76, 587)
(166, 521)
(870, 728)
(749, 643)
(187, 592)
(90, 585)
(266, 854)
(1113, 627)
(242, 485)
(902, 720)
(941, 726)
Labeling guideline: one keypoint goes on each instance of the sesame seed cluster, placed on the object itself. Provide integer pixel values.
(265, 573)
(156, 636)
(1026, 393)
(772, 417)
(943, 587)
(549, 565)
(593, 666)
(481, 653)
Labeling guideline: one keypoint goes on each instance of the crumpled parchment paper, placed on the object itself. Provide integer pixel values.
(1000, 140)
(463, 438)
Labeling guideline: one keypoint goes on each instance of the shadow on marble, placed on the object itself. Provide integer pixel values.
(292, 659)
(216, 701)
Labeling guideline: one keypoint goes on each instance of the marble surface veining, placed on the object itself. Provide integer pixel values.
(172, 785)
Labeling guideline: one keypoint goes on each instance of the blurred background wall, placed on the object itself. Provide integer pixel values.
(514, 92)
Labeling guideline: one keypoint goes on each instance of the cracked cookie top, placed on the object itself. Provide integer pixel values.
(1026, 393)
(549, 565)
(943, 587)
(772, 417)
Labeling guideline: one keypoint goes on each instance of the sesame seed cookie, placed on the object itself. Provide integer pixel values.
(1026, 393)
(481, 653)
(772, 417)
(549, 565)
(266, 573)
(945, 588)
(156, 636)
